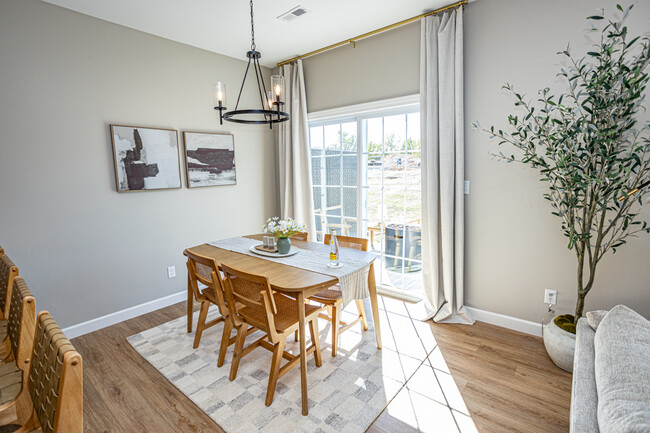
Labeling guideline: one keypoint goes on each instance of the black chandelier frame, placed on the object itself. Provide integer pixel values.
(271, 116)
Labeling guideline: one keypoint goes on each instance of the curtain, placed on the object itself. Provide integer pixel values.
(442, 135)
(296, 199)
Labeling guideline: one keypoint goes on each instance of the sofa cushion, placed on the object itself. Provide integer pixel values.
(594, 318)
(622, 367)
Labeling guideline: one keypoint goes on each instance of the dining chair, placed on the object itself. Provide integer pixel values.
(300, 236)
(8, 271)
(252, 302)
(333, 298)
(51, 399)
(205, 271)
(18, 343)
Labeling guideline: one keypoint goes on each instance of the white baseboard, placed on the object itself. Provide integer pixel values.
(73, 331)
(525, 326)
(122, 315)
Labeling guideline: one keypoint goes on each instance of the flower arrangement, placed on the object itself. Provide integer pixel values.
(283, 229)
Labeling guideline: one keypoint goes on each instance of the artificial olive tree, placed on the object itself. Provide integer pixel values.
(589, 146)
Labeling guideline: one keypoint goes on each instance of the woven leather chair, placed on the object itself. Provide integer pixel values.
(8, 271)
(19, 344)
(252, 302)
(333, 298)
(52, 400)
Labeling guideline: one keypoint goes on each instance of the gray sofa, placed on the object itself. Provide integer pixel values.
(611, 373)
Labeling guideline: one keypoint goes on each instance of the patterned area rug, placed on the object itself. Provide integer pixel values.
(346, 393)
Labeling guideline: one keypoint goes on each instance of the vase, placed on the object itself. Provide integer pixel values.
(560, 345)
(284, 245)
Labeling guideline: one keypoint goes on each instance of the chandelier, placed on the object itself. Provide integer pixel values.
(271, 100)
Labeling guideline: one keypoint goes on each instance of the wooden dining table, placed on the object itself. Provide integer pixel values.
(295, 282)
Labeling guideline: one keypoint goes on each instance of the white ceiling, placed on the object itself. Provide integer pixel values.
(223, 26)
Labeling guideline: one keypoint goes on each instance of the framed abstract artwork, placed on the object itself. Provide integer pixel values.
(209, 159)
(145, 158)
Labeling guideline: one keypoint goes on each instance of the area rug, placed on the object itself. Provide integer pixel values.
(346, 394)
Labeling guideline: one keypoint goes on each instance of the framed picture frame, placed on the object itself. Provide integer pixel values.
(209, 159)
(145, 158)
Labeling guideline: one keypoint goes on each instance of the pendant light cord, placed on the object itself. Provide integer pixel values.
(252, 28)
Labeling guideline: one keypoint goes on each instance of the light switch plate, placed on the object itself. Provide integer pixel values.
(466, 187)
(171, 271)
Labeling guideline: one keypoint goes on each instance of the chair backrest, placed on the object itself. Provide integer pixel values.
(21, 322)
(348, 242)
(301, 236)
(8, 271)
(201, 269)
(55, 379)
(250, 291)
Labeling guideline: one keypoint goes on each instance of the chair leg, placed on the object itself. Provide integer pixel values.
(315, 340)
(278, 350)
(225, 339)
(336, 312)
(362, 314)
(201, 323)
(296, 336)
(242, 330)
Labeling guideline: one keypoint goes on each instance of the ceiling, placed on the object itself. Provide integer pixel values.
(223, 26)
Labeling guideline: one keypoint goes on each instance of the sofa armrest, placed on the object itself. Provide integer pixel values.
(584, 397)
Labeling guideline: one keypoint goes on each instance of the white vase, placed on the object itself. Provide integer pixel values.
(560, 345)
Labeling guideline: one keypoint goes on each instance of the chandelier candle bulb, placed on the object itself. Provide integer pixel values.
(277, 83)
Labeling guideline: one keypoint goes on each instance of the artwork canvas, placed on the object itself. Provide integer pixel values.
(210, 159)
(145, 158)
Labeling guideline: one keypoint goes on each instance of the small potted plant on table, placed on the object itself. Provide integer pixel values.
(283, 230)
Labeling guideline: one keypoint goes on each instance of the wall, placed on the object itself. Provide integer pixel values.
(514, 246)
(381, 67)
(85, 250)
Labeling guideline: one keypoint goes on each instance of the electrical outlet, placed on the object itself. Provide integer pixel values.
(550, 297)
(466, 187)
(171, 271)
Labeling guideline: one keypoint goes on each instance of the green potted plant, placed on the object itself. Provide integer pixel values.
(589, 147)
(283, 230)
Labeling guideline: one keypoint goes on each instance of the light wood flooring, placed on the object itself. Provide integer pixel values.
(507, 381)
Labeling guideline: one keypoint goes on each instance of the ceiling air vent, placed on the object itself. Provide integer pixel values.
(293, 14)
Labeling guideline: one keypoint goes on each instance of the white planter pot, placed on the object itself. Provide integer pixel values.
(560, 345)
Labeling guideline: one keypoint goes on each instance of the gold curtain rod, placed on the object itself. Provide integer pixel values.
(374, 32)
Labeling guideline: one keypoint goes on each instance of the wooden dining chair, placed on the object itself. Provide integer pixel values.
(205, 270)
(252, 302)
(51, 400)
(301, 236)
(8, 271)
(333, 298)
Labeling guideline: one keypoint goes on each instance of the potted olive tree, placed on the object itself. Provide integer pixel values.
(592, 151)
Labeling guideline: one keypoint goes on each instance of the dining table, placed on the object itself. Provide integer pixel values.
(295, 282)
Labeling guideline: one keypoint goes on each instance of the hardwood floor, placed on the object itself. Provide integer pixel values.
(506, 379)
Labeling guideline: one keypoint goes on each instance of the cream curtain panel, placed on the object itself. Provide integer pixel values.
(442, 135)
(296, 200)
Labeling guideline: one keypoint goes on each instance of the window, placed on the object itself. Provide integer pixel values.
(366, 179)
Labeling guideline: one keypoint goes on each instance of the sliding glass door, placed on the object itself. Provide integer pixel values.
(366, 176)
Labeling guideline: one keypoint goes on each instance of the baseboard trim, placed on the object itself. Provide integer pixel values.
(525, 326)
(521, 325)
(122, 315)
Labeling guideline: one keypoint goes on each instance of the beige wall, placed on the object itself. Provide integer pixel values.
(514, 246)
(85, 250)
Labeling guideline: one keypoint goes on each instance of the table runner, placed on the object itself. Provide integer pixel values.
(353, 276)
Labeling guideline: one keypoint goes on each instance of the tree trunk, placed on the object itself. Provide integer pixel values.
(580, 306)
